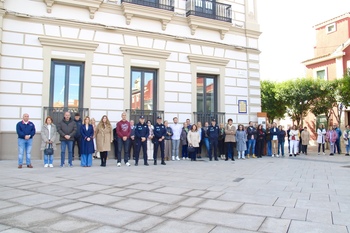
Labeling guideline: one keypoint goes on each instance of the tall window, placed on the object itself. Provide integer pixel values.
(206, 94)
(66, 84)
(321, 74)
(143, 89)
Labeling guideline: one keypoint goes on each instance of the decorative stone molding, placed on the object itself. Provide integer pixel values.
(194, 22)
(68, 43)
(130, 10)
(208, 60)
(91, 5)
(144, 52)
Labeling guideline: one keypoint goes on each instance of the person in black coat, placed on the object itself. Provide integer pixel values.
(260, 141)
(141, 135)
(213, 135)
(159, 136)
(77, 137)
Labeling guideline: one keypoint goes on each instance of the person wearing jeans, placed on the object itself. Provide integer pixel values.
(123, 137)
(205, 137)
(48, 137)
(346, 137)
(281, 138)
(67, 129)
(252, 133)
(25, 130)
(175, 139)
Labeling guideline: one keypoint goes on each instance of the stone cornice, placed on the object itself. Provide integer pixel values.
(68, 43)
(194, 22)
(91, 5)
(208, 60)
(130, 10)
(127, 31)
(144, 52)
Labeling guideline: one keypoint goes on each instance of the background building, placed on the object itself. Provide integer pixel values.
(192, 59)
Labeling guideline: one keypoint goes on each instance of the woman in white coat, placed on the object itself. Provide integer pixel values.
(294, 140)
(321, 138)
(48, 138)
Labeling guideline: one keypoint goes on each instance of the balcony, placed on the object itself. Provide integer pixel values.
(209, 14)
(209, 9)
(207, 116)
(163, 10)
(58, 113)
(134, 114)
(160, 4)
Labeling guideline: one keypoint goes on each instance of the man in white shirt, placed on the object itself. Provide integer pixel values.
(177, 129)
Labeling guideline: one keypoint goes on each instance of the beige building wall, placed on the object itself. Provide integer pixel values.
(32, 36)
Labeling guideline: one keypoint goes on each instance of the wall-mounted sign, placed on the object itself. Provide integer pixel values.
(242, 106)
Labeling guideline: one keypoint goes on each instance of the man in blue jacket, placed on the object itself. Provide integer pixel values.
(337, 142)
(159, 137)
(141, 135)
(213, 135)
(25, 131)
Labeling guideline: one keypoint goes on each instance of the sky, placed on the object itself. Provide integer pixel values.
(288, 36)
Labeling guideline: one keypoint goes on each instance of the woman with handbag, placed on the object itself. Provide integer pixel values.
(104, 138)
(87, 143)
(193, 140)
(48, 141)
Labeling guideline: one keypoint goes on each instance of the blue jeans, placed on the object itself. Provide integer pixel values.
(126, 145)
(207, 145)
(229, 150)
(269, 148)
(175, 147)
(24, 145)
(184, 151)
(48, 159)
(64, 144)
(281, 145)
(251, 143)
(86, 160)
(348, 147)
(337, 146)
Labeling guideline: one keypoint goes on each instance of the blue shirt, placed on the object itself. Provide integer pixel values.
(24, 129)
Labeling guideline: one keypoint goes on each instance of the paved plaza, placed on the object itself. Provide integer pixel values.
(292, 194)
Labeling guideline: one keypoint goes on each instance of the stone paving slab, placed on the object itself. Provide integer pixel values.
(275, 225)
(175, 226)
(262, 210)
(106, 215)
(311, 227)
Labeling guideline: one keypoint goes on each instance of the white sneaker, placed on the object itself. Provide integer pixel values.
(272, 155)
(172, 158)
(243, 157)
(177, 158)
(183, 158)
(277, 156)
(50, 165)
(127, 164)
(46, 165)
(323, 153)
(119, 164)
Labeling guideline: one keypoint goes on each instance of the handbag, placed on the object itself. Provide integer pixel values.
(191, 149)
(48, 150)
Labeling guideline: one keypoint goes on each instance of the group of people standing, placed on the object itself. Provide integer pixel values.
(226, 140)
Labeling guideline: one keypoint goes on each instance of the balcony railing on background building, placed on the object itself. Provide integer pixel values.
(160, 4)
(134, 114)
(57, 114)
(206, 117)
(209, 9)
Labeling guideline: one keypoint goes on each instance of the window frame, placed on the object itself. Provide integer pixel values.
(155, 87)
(67, 63)
(334, 25)
(215, 91)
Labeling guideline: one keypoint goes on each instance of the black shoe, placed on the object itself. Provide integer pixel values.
(233, 159)
(216, 159)
(163, 163)
(295, 155)
(290, 155)
(331, 154)
(136, 163)
(226, 159)
(210, 159)
(155, 162)
(346, 154)
(146, 164)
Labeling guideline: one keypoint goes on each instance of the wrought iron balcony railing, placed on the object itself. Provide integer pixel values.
(209, 9)
(160, 4)
(207, 116)
(134, 114)
(58, 113)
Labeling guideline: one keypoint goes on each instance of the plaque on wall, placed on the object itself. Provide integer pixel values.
(242, 106)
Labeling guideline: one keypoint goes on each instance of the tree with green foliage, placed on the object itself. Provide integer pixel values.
(298, 96)
(270, 103)
(326, 102)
